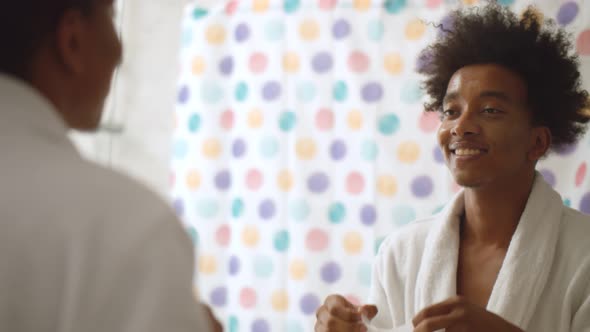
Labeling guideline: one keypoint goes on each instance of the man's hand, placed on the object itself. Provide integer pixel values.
(339, 315)
(458, 315)
(213, 322)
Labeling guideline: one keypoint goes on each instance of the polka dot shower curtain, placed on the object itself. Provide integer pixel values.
(301, 143)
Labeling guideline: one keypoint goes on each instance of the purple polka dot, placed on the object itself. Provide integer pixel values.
(372, 92)
(548, 176)
(309, 304)
(565, 150)
(340, 29)
(226, 66)
(260, 325)
(219, 296)
(338, 150)
(422, 186)
(446, 25)
(223, 180)
(567, 13)
(266, 210)
(423, 60)
(585, 203)
(183, 94)
(271, 90)
(234, 265)
(368, 215)
(318, 183)
(179, 207)
(242, 32)
(438, 155)
(331, 272)
(238, 148)
(322, 62)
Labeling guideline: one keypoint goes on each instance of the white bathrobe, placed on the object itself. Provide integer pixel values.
(82, 248)
(543, 284)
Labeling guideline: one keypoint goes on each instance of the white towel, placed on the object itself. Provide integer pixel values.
(526, 267)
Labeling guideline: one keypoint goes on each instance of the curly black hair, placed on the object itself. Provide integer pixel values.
(533, 47)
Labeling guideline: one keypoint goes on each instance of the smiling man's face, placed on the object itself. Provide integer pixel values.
(486, 133)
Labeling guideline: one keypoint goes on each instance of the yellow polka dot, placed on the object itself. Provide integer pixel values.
(291, 62)
(415, 29)
(306, 149)
(280, 300)
(198, 66)
(250, 236)
(470, 2)
(207, 264)
(255, 118)
(193, 180)
(309, 30)
(285, 180)
(297, 269)
(355, 120)
(362, 5)
(386, 185)
(211, 148)
(353, 243)
(215, 34)
(408, 152)
(260, 6)
(393, 63)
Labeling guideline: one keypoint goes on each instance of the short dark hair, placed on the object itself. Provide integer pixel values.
(24, 25)
(531, 46)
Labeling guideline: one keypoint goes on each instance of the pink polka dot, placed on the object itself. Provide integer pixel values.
(583, 43)
(429, 121)
(355, 183)
(581, 174)
(328, 4)
(358, 62)
(433, 3)
(223, 235)
(227, 120)
(248, 298)
(316, 240)
(231, 7)
(324, 119)
(253, 179)
(258, 63)
(353, 299)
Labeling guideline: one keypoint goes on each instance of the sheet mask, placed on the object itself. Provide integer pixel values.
(371, 328)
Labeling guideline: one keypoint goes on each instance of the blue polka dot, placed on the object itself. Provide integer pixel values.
(232, 324)
(287, 121)
(340, 91)
(306, 92)
(376, 30)
(237, 207)
(294, 326)
(275, 30)
(402, 215)
(299, 210)
(388, 124)
(187, 37)
(337, 212)
(394, 6)
(194, 123)
(411, 92)
(211, 93)
(263, 267)
(180, 149)
(567, 202)
(241, 92)
(369, 150)
(207, 208)
(378, 243)
(291, 6)
(364, 274)
(281, 241)
(269, 147)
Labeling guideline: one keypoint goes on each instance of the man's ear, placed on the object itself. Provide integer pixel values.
(70, 41)
(540, 143)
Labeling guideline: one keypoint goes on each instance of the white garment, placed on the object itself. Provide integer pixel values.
(543, 284)
(82, 248)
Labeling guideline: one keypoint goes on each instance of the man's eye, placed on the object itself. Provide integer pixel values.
(447, 113)
(491, 111)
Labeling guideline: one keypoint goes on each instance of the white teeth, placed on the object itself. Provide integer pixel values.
(467, 152)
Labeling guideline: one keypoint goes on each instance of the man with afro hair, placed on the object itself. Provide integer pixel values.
(505, 254)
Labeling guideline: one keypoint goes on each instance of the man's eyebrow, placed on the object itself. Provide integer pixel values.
(450, 96)
(496, 94)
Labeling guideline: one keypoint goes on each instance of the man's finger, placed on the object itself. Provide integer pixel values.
(339, 307)
(369, 310)
(327, 322)
(439, 309)
(437, 323)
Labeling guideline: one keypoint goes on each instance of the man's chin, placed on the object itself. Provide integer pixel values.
(467, 180)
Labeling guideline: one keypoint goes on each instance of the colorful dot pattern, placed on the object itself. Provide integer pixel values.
(300, 144)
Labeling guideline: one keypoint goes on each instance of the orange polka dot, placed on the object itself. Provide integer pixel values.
(193, 180)
(291, 62)
(255, 119)
(355, 120)
(280, 301)
(309, 30)
(215, 34)
(362, 5)
(305, 148)
(260, 6)
(353, 243)
(386, 185)
(408, 152)
(198, 66)
(285, 180)
(415, 29)
(211, 148)
(298, 269)
(393, 63)
(250, 236)
(207, 264)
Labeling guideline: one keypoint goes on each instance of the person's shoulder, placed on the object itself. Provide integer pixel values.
(409, 238)
(575, 229)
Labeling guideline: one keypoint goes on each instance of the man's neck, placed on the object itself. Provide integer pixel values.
(492, 212)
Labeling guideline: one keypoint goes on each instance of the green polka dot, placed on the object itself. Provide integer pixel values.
(306, 92)
(237, 208)
(194, 123)
(388, 124)
(263, 267)
(294, 326)
(187, 37)
(211, 93)
(336, 213)
(369, 150)
(194, 235)
(269, 147)
(274, 30)
(199, 13)
(180, 149)
(394, 6)
(291, 6)
(340, 91)
(281, 241)
(287, 121)
(299, 210)
(378, 243)
(402, 215)
(376, 30)
(207, 208)
(438, 209)
(567, 202)
(232, 324)
(364, 274)
(411, 92)
(241, 91)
